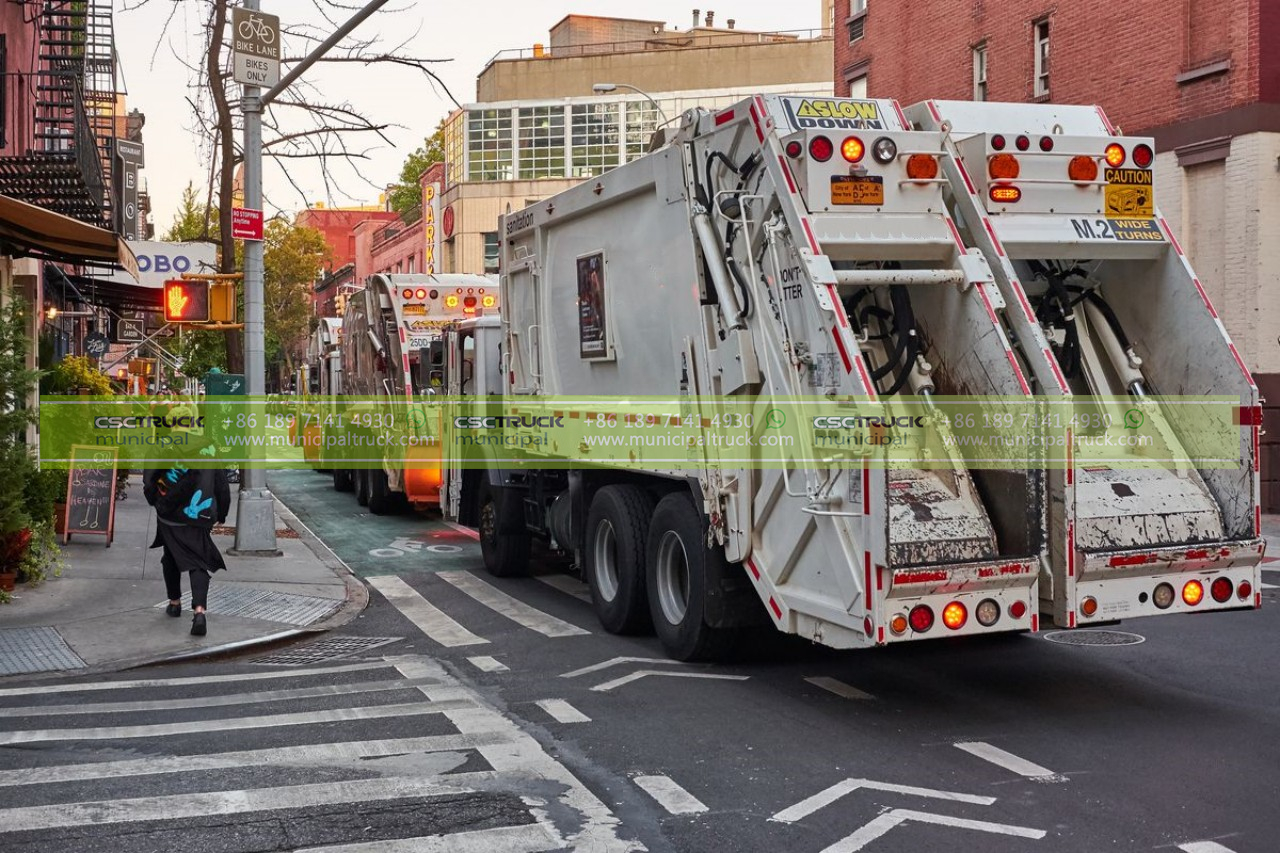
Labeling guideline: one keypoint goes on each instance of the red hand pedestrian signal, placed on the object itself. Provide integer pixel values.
(186, 301)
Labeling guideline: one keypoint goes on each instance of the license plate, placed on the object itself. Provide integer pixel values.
(417, 309)
(848, 189)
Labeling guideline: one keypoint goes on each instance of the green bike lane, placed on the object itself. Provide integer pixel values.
(373, 544)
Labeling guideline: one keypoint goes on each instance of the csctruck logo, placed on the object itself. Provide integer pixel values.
(859, 422)
(507, 422)
(158, 422)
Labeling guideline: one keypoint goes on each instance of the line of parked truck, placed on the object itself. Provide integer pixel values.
(849, 252)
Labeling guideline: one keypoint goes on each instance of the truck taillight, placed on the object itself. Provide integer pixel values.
(421, 293)
(1046, 144)
(821, 149)
(1089, 605)
(852, 149)
(1017, 609)
(469, 302)
(435, 294)
(1083, 169)
(794, 149)
(921, 618)
(1142, 156)
(1005, 194)
(1244, 590)
(407, 293)
(1221, 588)
(1114, 155)
(922, 167)
(884, 150)
(898, 625)
(489, 301)
(954, 615)
(1003, 167)
(1163, 596)
(997, 142)
(1022, 143)
(451, 301)
(1193, 592)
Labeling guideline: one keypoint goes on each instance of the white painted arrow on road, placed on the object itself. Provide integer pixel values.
(596, 667)
(637, 675)
(879, 826)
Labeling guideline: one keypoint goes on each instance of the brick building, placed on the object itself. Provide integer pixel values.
(338, 225)
(1201, 77)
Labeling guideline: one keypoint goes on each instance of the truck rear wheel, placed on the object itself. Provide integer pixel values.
(382, 501)
(362, 486)
(617, 525)
(342, 480)
(678, 559)
(504, 543)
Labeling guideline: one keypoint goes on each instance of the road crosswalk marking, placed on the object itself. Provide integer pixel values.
(567, 585)
(1203, 847)
(1009, 761)
(206, 701)
(433, 621)
(514, 609)
(562, 712)
(303, 718)
(832, 685)
(531, 838)
(669, 795)
(485, 663)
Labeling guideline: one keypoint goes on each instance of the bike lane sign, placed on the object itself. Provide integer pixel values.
(256, 39)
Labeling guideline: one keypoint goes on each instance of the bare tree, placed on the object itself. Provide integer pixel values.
(300, 125)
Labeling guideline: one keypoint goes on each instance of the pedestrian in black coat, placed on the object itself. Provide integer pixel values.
(188, 502)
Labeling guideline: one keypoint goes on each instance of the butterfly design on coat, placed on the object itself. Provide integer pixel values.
(197, 505)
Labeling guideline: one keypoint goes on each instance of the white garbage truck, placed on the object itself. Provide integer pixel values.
(783, 248)
(391, 366)
(1102, 302)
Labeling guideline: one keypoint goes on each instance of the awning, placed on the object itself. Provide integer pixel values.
(29, 230)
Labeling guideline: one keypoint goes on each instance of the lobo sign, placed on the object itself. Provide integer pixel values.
(256, 37)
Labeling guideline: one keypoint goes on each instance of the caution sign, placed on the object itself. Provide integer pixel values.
(833, 113)
(1129, 193)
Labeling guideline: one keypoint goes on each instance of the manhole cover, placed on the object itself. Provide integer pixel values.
(1087, 637)
(330, 648)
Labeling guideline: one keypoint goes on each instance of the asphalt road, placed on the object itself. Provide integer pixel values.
(581, 738)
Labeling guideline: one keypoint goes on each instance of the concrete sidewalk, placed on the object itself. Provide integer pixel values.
(106, 612)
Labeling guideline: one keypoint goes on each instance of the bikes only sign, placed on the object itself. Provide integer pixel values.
(256, 37)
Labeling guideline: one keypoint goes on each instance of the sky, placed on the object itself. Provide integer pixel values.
(468, 34)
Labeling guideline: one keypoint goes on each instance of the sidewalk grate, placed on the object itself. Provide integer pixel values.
(250, 603)
(26, 650)
(1090, 637)
(327, 649)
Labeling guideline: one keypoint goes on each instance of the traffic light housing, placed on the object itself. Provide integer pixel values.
(222, 301)
(186, 301)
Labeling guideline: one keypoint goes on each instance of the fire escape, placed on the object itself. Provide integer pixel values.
(69, 169)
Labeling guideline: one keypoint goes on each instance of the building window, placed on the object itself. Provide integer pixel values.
(1042, 58)
(857, 19)
(489, 145)
(455, 165)
(540, 137)
(595, 139)
(491, 251)
(4, 89)
(980, 72)
(642, 121)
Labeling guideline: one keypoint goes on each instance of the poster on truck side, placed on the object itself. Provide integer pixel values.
(592, 329)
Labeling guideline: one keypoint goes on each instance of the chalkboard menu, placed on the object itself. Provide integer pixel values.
(91, 492)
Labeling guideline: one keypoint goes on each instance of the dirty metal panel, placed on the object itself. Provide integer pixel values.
(323, 650)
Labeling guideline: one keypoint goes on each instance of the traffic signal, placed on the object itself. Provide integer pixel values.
(222, 301)
(186, 301)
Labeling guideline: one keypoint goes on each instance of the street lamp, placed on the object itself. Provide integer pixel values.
(606, 88)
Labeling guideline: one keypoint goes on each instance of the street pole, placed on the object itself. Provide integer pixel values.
(255, 512)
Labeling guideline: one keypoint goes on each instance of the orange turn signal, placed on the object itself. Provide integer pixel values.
(852, 149)
(954, 615)
(1193, 593)
(1083, 169)
(1003, 167)
(1003, 194)
(922, 167)
(1114, 155)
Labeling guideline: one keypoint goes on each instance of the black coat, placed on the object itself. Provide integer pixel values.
(183, 530)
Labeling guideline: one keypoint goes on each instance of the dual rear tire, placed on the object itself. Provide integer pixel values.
(650, 567)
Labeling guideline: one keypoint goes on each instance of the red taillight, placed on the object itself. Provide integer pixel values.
(852, 149)
(1244, 590)
(794, 149)
(407, 293)
(1221, 588)
(1114, 155)
(421, 293)
(1193, 593)
(1083, 169)
(1142, 156)
(435, 294)
(1004, 194)
(1023, 143)
(1003, 167)
(954, 615)
(1018, 609)
(821, 149)
(921, 618)
(1046, 143)
(997, 142)
(469, 302)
